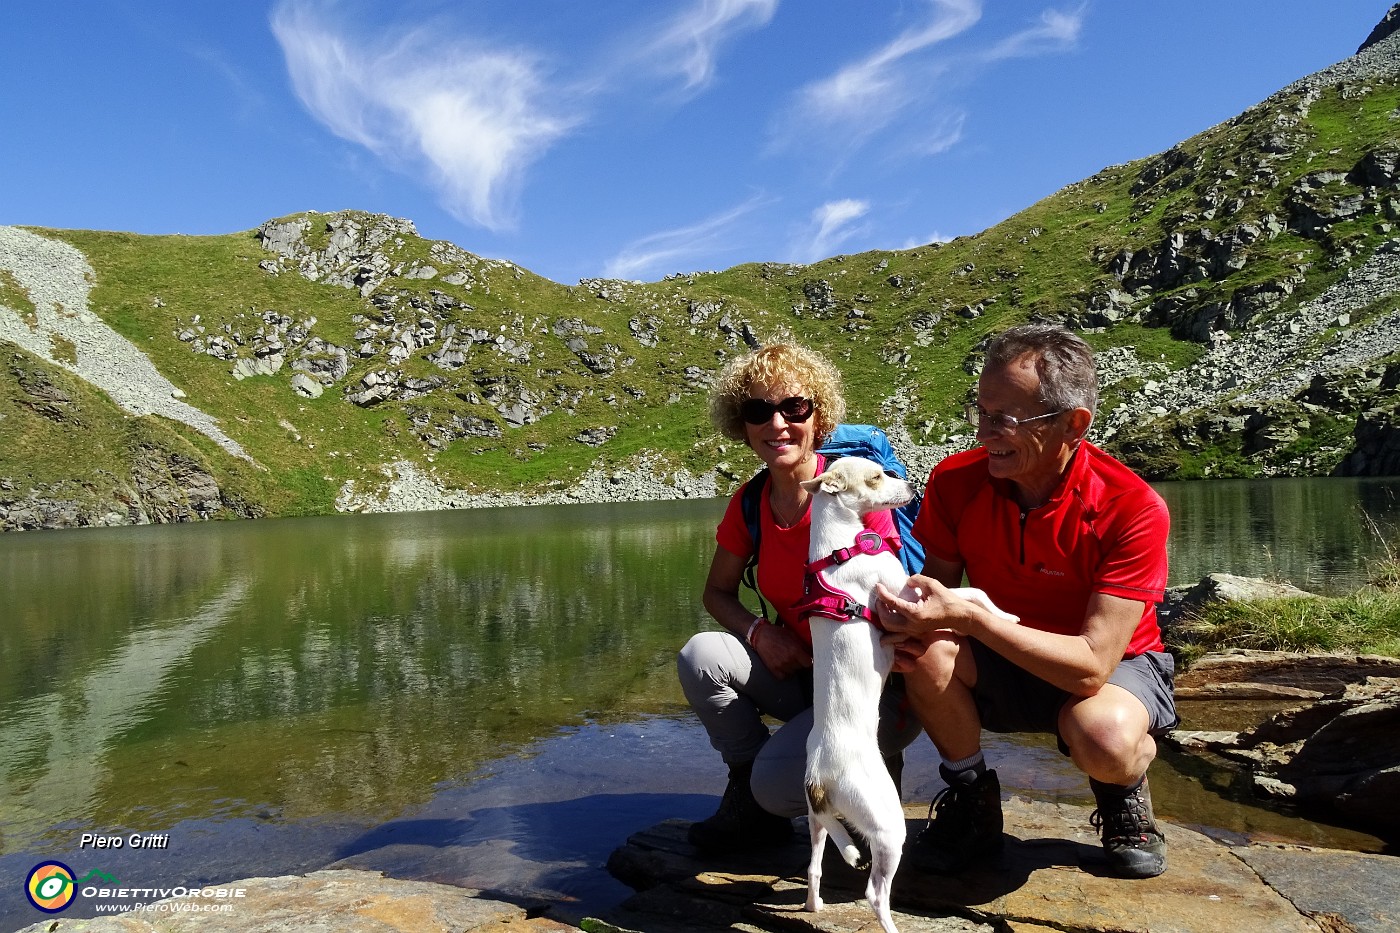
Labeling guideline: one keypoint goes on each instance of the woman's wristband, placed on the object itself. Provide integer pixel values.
(753, 627)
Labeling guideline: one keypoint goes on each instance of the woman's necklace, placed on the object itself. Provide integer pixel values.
(787, 518)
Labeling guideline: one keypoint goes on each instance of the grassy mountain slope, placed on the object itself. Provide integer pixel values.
(490, 378)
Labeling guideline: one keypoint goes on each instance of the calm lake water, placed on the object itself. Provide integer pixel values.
(485, 698)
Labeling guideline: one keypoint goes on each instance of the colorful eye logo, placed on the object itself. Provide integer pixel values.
(49, 886)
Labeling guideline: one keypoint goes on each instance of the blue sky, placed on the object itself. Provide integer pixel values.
(621, 138)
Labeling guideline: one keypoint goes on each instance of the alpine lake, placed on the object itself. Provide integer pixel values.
(485, 698)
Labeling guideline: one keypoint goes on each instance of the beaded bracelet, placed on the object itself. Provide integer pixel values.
(753, 627)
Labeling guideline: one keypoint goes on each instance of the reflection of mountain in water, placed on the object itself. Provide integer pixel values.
(347, 666)
(1318, 534)
(56, 743)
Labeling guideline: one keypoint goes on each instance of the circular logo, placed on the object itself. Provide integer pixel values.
(50, 887)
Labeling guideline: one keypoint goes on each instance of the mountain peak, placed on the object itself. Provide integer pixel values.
(1388, 25)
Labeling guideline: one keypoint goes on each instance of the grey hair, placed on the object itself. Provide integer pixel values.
(1063, 361)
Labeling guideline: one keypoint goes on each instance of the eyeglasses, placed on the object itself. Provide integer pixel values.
(794, 410)
(1002, 424)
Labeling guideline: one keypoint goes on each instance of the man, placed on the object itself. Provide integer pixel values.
(1072, 542)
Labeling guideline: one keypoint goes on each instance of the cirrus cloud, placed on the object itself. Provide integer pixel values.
(474, 118)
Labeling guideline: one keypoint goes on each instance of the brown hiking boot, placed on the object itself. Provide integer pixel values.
(1131, 840)
(964, 825)
(740, 824)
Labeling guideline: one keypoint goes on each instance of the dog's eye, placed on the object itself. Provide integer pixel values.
(874, 481)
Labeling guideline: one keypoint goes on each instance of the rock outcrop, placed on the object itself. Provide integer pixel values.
(1338, 757)
(332, 901)
(1050, 877)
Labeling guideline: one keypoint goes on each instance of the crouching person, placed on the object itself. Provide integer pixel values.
(782, 401)
(1073, 543)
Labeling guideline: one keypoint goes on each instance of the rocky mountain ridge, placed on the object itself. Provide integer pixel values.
(1241, 289)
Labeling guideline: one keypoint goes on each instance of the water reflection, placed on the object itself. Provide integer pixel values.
(59, 740)
(326, 666)
(1318, 534)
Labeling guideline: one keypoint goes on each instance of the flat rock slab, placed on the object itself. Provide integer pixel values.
(337, 901)
(1360, 889)
(1244, 674)
(1051, 875)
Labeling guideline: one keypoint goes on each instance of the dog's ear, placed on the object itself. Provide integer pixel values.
(830, 482)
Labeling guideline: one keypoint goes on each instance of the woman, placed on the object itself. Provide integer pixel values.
(782, 401)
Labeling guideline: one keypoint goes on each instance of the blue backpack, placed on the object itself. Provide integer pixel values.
(848, 440)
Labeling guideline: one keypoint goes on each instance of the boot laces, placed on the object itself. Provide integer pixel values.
(955, 809)
(1126, 822)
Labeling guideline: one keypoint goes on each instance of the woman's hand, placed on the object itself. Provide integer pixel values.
(781, 650)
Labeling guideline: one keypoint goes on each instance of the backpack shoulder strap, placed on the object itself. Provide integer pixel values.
(750, 504)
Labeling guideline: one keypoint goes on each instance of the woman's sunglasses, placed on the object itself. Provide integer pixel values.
(794, 410)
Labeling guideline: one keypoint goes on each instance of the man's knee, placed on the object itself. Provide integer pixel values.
(1111, 726)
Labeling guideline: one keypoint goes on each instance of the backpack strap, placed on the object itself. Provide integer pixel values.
(750, 504)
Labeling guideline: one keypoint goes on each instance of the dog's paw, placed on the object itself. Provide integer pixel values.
(973, 594)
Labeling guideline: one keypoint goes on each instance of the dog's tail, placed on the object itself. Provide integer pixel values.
(822, 810)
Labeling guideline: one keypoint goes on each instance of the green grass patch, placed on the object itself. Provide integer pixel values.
(1366, 622)
(15, 296)
(1355, 123)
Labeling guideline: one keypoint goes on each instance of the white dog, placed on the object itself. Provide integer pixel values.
(846, 778)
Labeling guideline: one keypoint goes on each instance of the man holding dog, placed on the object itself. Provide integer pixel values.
(1073, 543)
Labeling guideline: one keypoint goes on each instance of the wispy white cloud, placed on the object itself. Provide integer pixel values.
(903, 91)
(865, 95)
(939, 135)
(690, 42)
(662, 252)
(831, 225)
(476, 118)
(1055, 30)
(934, 237)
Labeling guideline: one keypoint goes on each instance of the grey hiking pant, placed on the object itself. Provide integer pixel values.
(731, 691)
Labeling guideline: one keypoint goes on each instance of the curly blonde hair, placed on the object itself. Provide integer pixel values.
(778, 364)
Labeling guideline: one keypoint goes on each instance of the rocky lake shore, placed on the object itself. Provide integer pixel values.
(1050, 876)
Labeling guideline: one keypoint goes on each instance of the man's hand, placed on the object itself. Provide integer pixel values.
(925, 610)
(899, 615)
(924, 606)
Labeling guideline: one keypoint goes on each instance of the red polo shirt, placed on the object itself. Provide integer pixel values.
(1104, 530)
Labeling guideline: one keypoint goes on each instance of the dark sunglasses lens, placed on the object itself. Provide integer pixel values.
(796, 410)
(758, 411)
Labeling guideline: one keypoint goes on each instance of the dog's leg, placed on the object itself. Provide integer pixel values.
(884, 862)
(814, 867)
(982, 599)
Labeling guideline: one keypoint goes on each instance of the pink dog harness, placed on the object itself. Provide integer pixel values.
(822, 599)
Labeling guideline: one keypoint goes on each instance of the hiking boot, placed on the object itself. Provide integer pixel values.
(740, 824)
(964, 824)
(1131, 840)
